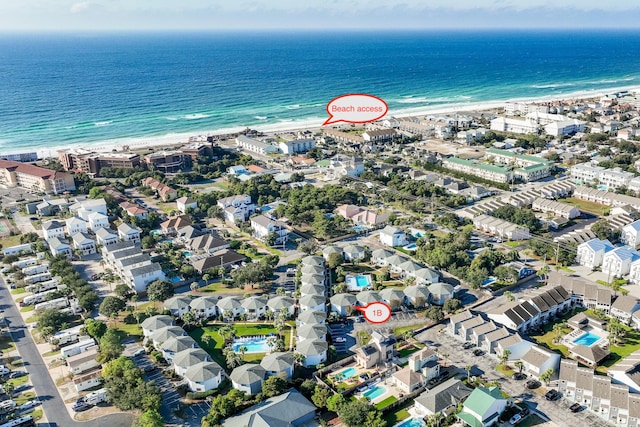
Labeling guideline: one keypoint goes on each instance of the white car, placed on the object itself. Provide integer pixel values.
(139, 352)
(340, 339)
(30, 404)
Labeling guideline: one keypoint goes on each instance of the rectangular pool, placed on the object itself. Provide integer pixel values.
(347, 373)
(377, 391)
(587, 339)
(411, 422)
(358, 283)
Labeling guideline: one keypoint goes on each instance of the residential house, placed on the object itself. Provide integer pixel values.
(362, 216)
(311, 332)
(250, 144)
(391, 236)
(354, 253)
(425, 361)
(297, 146)
(630, 234)
(624, 307)
(75, 225)
(134, 210)
(501, 228)
(83, 362)
(178, 305)
(225, 258)
(98, 220)
(237, 208)
(51, 229)
(128, 233)
(204, 376)
(311, 317)
(153, 323)
(230, 307)
(456, 320)
(278, 364)
(88, 380)
(255, 306)
(175, 345)
(557, 209)
(343, 304)
(538, 360)
(173, 224)
(288, 409)
(483, 407)
(264, 227)
(83, 243)
(184, 203)
(59, 247)
(312, 303)
(315, 352)
(441, 398)
(105, 238)
(163, 334)
(188, 357)
(591, 253)
(408, 380)
(279, 303)
(617, 262)
(207, 243)
(441, 292)
(204, 307)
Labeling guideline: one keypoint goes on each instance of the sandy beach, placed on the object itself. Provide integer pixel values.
(314, 123)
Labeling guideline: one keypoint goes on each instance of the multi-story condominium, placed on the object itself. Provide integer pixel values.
(564, 127)
(427, 128)
(585, 173)
(591, 253)
(529, 168)
(264, 226)
(237, 208)
(90, 162)
(297, 146)
(523, 108)
(34, 178)
(255, 146)
(167, 161)
(499, 227)
(51, 229)
(83, 243)
(521, 126)
(617, 262)
(380, 135)
(134, 268)
(485, 171)
(615, 178)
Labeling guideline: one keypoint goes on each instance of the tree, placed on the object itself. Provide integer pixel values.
(231, 357)
(274, 386)
(95, 328)
(468, 368)
(299, 358)
(309, 247)
(110, 346)
(602, 229)
(616, 331)
(160, 290)
(434, 313)
(252, 273)
(242, 350)
(518, 364)
(509, 296)
(504, 357)
(51, 321)
(354, 413)
(451, 305)
(340, 288)
(336, 402)
(307, 387)
(126, 389)
(149, 418)
(558, 331)
(506, 274)
(206, 340)
(547, 375)
(335, 260)
(123, 291)
(111, 305)
(194, 286)
(320, 396)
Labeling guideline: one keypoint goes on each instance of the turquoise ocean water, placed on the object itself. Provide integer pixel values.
(85, 89)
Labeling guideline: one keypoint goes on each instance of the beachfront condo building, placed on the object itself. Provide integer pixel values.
(34, 178)
(483, 170)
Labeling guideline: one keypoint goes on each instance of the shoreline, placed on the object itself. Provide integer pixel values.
(311, 123)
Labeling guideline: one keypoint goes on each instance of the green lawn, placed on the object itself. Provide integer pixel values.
(546, 340)
(19, 381)
(393, 418)
(505, 370)
(583, 205)
(10, 241)
(132, 330)
(24, 398)
(402, 329)
(214, 348)
(6, 344)
(630, 343)
(26, 309)
(512, 244)
(18, 291)
(386, 402)
(219, 287)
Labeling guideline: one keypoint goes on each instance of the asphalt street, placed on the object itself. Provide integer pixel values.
(52, 403)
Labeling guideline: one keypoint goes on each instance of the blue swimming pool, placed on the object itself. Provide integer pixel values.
(358, 283)
(187, 254)
(253, 344)
(411, 247)
(587, 339)
(375, 392)
(347, 373)
(489, 280)
(411, 422)
(359, 228)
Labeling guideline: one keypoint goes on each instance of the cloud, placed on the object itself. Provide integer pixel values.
(79, 6)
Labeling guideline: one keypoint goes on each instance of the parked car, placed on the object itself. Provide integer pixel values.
(478, 352)
(139, 352)
(551, 395)
(467, 345)
(531, 384)
(339, 339)
(28, 405)
(515, 419)
(17, 374)
(575, 407)
(525, 411)
(519, 376)
(80, 406)
(149, 368)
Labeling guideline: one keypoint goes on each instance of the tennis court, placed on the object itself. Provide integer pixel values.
(5, 227)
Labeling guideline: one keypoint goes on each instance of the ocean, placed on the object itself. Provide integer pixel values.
(91, 89)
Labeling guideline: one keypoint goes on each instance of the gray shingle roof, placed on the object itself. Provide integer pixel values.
(283, 410)
(248, 373)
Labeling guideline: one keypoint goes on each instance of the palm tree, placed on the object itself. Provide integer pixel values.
(468, 368)
(227, 332)
(299, 358)
(543, 273)
(407, 335)
(509, 296)
(228, 314)
(519, 365)
(194, 286)
(513, 255)
(558, 331)
(280, 291)
(271, 342)
(434, 420)
(279, 325)
(504, 357)
(206, 340)
(242, 350)
(231, 357)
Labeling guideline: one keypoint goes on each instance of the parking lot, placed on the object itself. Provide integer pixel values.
(340, 331)
(485, 365)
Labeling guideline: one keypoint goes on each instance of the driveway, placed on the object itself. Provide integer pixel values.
(53, 405)
(451, 350)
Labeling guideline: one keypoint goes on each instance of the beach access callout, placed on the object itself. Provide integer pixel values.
(355, 108)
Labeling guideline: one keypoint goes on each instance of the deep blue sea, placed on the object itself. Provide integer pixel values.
(82, 89)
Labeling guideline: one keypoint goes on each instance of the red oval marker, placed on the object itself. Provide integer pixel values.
(376, 312)
(355, 108)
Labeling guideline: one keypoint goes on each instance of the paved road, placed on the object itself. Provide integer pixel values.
(43, 384)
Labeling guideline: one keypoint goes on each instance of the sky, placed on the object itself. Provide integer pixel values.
(127, 15)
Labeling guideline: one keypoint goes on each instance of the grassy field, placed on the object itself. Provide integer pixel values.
(214, 348)
(512, 244)
(133, 330)
(9, 241)
(393, 418)
(583, 205)
(26, 309)
(505, 370)
(546, 340)
(24, 397)
(219, 287)
(18, 291)
(386, 402)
